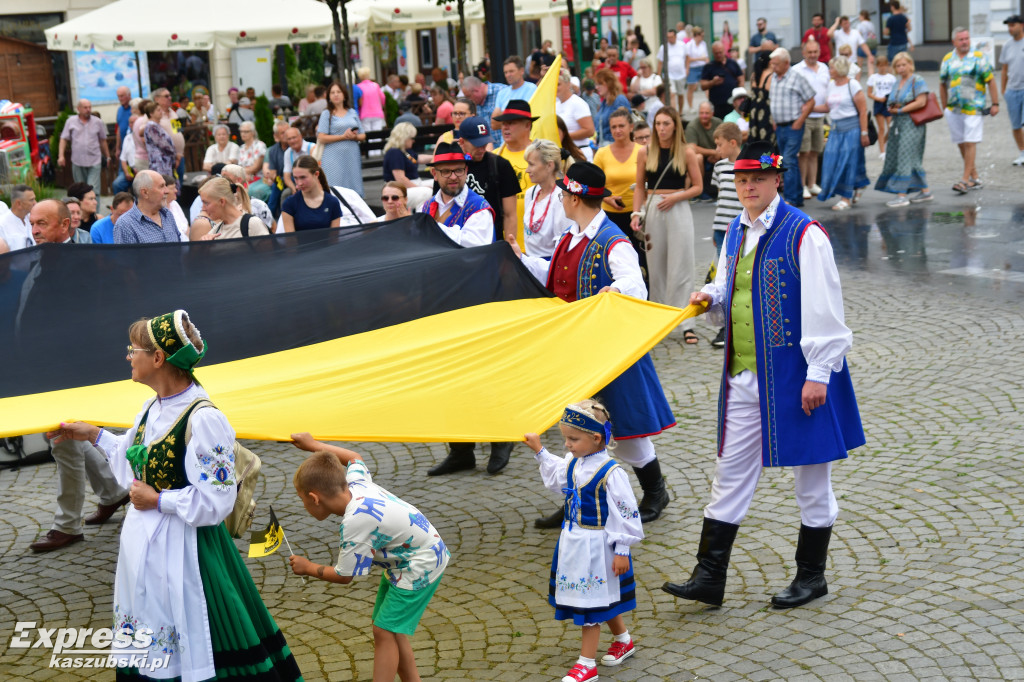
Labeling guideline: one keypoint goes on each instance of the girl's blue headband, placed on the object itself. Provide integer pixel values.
(584, 422)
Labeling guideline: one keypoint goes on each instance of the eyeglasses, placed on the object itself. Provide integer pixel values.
(451, 172)
(397, 197)
(132, 350)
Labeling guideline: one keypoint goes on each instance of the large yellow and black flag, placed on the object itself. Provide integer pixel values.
(267, 541)
(383, 332)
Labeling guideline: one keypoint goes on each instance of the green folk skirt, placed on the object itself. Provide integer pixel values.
(247, 644)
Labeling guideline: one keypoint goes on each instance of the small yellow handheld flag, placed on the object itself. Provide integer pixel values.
(265, 542)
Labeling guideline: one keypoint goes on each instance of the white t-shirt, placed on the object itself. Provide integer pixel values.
(819, 80)
(698, 53)
(854, 39)
(676, 59)
(854, 71)
(867, 30)
(128, 150)
(840, 99)
(291, 156)
(229, 155)
(881, 83)
(15, 232)
(649, 83)
(571, 111)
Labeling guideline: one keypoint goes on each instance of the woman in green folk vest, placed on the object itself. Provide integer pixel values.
(182, 593)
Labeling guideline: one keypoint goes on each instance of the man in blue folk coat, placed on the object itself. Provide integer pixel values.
(786, 397)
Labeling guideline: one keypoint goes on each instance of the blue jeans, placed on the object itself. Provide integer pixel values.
(121, 183)
(789, 146)
(893, 50)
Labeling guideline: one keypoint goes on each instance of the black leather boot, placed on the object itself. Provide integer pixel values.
(811, 555)
(500, 453)
(655, 497)
(460, 457)
(707, 582)
(553, 521)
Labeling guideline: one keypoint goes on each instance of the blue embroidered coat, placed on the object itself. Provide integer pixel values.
(459, 214)
(789, 437)
(635, 398)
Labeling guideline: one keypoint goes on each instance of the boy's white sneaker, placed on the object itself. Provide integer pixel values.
(618, 652)
(1019, 161)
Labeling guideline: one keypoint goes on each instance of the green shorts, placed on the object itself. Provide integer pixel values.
(399, 611)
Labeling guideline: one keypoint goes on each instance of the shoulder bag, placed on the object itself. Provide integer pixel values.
(931, 111)
(872, 130)
(247, 475)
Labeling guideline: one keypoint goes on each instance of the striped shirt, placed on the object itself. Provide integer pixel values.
(729, 205)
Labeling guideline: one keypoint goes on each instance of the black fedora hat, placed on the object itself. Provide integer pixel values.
(758, 156)
(516, 110)
(584, 180)
(448, 152)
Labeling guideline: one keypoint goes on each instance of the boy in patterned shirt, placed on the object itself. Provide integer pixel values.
(728, 140)
(377, 528)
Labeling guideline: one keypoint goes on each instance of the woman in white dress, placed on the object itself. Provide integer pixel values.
(180, 579)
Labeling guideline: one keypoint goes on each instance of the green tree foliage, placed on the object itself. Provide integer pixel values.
(264, 120)
(58, 128)
(391, 109)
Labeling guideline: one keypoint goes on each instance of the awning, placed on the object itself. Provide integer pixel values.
(128, 25)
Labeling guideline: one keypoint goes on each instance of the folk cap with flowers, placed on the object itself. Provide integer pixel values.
(758, 156)
(167, 332)
(584, 180)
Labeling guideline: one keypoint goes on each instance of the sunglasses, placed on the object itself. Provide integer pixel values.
(396, 197)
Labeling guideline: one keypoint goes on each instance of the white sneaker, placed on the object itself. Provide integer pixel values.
(881, 157)
(1019, 161)
(807, 192)
(815, 190)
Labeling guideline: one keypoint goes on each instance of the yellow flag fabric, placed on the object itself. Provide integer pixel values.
(487, 373)
(542, 104)
(267, 541)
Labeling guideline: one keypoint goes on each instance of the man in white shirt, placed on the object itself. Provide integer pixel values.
(518, 87)
(464, 215)
(841, 34)
(787, 352)
(676, 51)
(14, 226)
(815, 73)
(296, 148)
(576, 114)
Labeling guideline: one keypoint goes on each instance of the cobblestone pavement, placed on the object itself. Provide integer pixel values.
(925, 564)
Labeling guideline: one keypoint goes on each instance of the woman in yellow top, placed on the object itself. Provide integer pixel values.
(618, 161)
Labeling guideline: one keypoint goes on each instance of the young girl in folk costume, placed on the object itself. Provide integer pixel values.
(592, 572)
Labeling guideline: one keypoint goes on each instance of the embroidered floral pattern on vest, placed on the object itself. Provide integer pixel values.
(218, 466)
(772, 307)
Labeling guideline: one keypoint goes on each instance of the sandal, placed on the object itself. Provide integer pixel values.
(961, 187)
(841, 205)
(690, 337)
(975, 184)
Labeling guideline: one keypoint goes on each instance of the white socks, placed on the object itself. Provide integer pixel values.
(623, 638)
(588, 662)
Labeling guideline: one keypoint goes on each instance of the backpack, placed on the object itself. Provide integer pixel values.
(247, 474)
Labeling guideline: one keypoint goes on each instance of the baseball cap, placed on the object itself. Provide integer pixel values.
(1015, 19)
(474, 130)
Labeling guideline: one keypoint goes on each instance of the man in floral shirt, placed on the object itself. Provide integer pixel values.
(964, 73)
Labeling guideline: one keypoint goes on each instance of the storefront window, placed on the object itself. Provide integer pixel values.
(179, 72)
(829, 8)
(939, 17)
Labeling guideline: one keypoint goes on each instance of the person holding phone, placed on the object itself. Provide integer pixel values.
(340, 131)
(618, 161)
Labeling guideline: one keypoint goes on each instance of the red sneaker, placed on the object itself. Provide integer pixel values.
(618, 652)
(581, 673)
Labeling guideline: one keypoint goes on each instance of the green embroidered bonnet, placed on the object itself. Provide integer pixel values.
(167, 332)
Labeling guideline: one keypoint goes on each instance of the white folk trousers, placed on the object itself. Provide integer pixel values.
(739, 468)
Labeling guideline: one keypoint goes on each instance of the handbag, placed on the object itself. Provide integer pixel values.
(642, 233)
(872, 130)
(931, 111)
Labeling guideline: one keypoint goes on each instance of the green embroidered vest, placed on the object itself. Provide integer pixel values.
(163, 464)
(742, 354)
